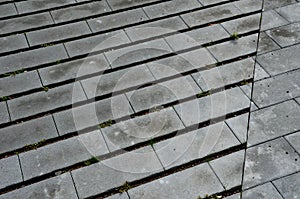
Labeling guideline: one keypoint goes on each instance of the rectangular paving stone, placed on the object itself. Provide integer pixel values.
(271, 19)
(137, 53)
(263, 191)
(277, 89)
(119, 196)
(114, 172)
(239, 126)
(290, 12)
(4, 116)
(31, 6)
(243, 25)
(13, 42)
(260, 73)
(33, 131)
(195, 145)
(7, 10)
(181, 63)
(211, 14)
(163, 93)
(155, 28)
(247, 6)
(225, 75)
(22, 60)
(294, 140)
(19, 83)
(235, 48)
(45, 101)
(60, 155)
(117, 81)
(212, 106)
(57, 187)
(121, 4)
(266, 44)
(92, 114)
(96, 43)
(197, 37)
(210, 2)
(229, 169)
(79, 11)
(73, 69)
(274, 121)
(271, 4)
(46, 36)
(25, 22)
(280, 61)
(286, 35)
(191, 183)
(140, 129)
(117, 20)
(10, 171)
(171, 7)
(289, 186)
(277, 156)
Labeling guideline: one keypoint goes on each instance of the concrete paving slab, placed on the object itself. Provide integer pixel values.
(239, 126)
(290, 12)
(266, 44)
(294, 140)
(10, 171)
(271, 19)
(13, 42)
(263, 192)
(4, 116)
(289, 186)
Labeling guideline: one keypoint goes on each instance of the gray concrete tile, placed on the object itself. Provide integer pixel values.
(190, 183)
(181, 63)
(294, 140)
(163, 93)
(92, 114)
(27, 59)
(19, 83)
(211, 14)
(117, 81)
(274, 121)
(224, 75)
(57, 187)
(239, 126)
(289, 186)
(96, 43)
(247, 6)
(235, 196)
(266, 44)
(197, 37)
(290, 12)
(61, 154)
(212, 106)
(280, 61)
(234, 48)
(270, 4)
(156, 28)
(45, 101)
(137, 53)
(277, 89)
(80, 11)
(271, 19)
(25, 22)
(286, 35)
(195, 145)
(7, 10)
(229, 169)
(33, 131)
(171, 7)
(121, 4)
(118, 196)
(210, 2)
(117, 20)
(10, 171)
(114, 172)
(13, 42)
(46, 36)
(243, 25)
(31, 6)
(73, 69)
(264, 191)
(4, 116)
(268, 161)
(260, 73)
(140, 129)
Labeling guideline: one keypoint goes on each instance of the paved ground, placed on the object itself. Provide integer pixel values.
(150, 99)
